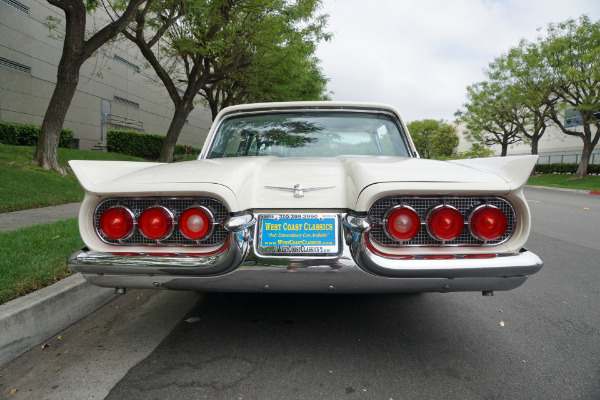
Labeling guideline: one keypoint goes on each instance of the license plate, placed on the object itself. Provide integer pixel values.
(299, 235)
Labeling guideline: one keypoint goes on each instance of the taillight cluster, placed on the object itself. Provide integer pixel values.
(445, 223)
(156, 223)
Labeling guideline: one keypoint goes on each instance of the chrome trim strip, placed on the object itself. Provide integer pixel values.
(524, 263)
(258, 279)
(340, 276)
(218, 262)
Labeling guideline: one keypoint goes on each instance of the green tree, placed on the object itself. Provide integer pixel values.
(198, 43)
(571, 53)
(433, 138)
(490, 114)
(523, 79)
(477, 151)
(283, 75)
(444, 142)
(76, 50)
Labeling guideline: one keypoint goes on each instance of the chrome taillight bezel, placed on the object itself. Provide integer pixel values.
(170, 216)
(431, 214)
(101, 234)
(211, 218)
(386, 220)
(473, 212)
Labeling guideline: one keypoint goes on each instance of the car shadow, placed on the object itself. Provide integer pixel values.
(232, 343)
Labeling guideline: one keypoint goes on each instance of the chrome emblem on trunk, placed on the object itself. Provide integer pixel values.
(298, 189)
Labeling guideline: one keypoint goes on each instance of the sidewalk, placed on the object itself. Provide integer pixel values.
(20, 219)
(30, 320)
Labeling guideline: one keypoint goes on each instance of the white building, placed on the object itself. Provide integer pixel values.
(553, 147)
(115, 91)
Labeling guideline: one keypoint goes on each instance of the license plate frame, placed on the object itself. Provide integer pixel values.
(299, 235)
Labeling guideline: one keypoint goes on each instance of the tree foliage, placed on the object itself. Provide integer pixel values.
(523, 78)
(535, 83)
(198, 44)
(433, 138)
(571, 52)
(285, 74)
(444, 142)
(477, 151)
(76, 50)
(489, 116)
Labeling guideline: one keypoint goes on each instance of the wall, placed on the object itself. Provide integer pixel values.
(24, 96)
(554, 146)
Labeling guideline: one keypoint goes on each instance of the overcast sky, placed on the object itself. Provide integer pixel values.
(419, 56)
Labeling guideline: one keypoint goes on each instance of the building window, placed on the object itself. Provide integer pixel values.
(123, 61)
(127, 102)
(15, 66)
(15, 4)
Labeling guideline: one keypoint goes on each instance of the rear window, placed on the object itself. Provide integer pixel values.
(322, 134)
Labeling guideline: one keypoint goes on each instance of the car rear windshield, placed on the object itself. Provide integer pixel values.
(317, 134)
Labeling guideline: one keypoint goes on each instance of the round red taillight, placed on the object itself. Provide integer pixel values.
(445, 223)
(487, 223)
(195, 223)
(155, 223)
(116, 223)
(403, 223)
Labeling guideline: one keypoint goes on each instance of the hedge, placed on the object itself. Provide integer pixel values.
(27, 135)
(144, 145)
(564, 168)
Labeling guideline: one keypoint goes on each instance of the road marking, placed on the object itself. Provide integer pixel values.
(586, 208)
(534, 201)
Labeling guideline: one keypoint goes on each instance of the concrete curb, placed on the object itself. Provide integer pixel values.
(595, 192)
(27, 321)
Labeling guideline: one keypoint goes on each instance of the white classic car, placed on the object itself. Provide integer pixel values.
(307, 197)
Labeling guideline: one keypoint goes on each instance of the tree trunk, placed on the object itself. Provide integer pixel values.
(582, 169)
(214, 109)
(75, 51)
(504, 149)
(181, 114)
(46, 152)
(534, 144)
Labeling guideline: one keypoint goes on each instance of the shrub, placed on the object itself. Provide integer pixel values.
(564, 168)
(145, 145)
(27, 135)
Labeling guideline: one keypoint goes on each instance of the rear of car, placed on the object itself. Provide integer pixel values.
(307, 197)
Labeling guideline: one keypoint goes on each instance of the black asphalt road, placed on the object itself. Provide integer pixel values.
(540, 341)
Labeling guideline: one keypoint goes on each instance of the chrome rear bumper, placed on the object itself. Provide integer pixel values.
(358, 270)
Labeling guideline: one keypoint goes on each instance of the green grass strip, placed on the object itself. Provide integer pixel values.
(24, 186)
(22, 189)
(565, 181)
(36, 256)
